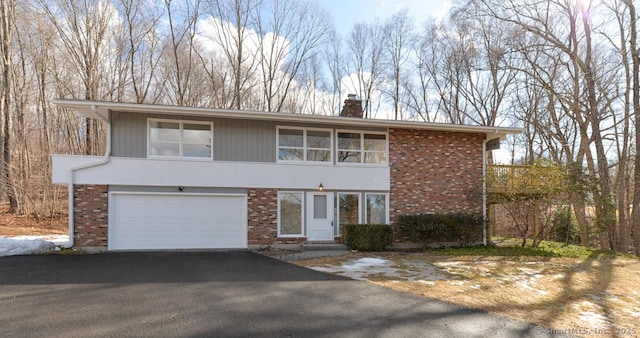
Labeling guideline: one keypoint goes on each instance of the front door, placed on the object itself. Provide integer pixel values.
(320, 216)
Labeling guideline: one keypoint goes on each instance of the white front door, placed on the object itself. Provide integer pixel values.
(320, 216)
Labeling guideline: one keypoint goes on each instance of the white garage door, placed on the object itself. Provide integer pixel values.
(177, 221)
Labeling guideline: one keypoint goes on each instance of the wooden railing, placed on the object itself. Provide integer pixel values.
(520, 181)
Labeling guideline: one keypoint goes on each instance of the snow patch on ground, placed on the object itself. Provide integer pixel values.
(366, 263)
(56, 239)
(26, 245)
(364, 268)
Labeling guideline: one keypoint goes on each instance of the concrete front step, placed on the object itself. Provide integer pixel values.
(323, 247)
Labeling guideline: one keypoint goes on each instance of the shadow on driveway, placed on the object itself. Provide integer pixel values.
(153, 267)
(218, 294)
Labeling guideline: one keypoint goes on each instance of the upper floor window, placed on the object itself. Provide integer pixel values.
(302, 144)
(362, 147)
(180, 139)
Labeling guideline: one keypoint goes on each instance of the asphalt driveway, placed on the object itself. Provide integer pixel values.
(222, 294)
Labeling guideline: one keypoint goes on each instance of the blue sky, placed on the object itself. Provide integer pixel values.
(348, 12)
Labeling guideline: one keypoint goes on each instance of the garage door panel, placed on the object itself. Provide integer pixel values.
(154, 221)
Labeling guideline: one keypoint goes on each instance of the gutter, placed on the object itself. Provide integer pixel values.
(84, 108)
(104, 160)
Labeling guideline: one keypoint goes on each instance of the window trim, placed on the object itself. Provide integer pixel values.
(386, 205)
(304, 145)
(362, 151)
(302, 214)
(181, 124)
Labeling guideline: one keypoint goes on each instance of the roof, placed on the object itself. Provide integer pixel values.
(100, 110)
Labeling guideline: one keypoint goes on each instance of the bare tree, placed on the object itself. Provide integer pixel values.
(423, 91)
(179, 58)
(620, 85)
(335, 61)
(400, 42)
(142, 49)
(82, 28)
(7, 21)
(291, 32)
(366, 46)
(635, 73)
(443, 51)
(232, 25)
(566, 28)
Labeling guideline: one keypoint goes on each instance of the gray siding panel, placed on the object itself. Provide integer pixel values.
(244, 140)
(128, 135)
(233, 139)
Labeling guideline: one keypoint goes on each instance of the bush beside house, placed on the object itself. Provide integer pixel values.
(461, 228)
(367, 237)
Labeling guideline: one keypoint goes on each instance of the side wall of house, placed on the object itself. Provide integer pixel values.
(434, 172)
(90, 215)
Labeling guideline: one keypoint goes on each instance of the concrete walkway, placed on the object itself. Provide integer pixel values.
(295, 255)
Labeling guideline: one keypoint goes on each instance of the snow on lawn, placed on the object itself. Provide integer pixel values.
(26, 245)
(56, 239)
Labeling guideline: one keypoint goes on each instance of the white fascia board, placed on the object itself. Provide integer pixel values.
(148, 172)
(91, 108)
(62, 164)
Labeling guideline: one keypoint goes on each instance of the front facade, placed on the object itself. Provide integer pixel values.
(189, 178)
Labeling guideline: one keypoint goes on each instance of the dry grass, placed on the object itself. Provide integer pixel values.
(18, 225)
(594, 295)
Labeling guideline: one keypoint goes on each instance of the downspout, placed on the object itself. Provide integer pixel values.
(488, 138)
(104, 160)
(484, 191)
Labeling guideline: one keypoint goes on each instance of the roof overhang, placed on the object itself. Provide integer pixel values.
(100, 110)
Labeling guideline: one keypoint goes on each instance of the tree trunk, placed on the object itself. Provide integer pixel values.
(635, 61)
(6, 24)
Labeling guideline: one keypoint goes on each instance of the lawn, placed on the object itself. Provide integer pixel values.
(568, 288)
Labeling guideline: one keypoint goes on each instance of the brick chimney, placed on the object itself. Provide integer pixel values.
(352, 107)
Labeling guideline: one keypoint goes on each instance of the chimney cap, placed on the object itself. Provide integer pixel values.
(351, 97)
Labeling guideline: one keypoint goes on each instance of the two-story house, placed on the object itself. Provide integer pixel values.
(190, 178)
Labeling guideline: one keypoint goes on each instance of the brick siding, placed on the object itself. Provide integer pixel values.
(262, 206)
(433, 171)
(90, 215)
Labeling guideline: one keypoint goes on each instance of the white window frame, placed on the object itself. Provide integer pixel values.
(337, 206)
(305, 148)
(302, 214)
(386, 204)
(361, 151)
(181, 124)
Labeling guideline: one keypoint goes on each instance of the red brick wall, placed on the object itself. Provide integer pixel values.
(433, 171)
(262, 206)
(90, 215)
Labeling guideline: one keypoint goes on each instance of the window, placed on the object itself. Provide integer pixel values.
(290, 213)
(376, 208)
(360, 147)
(178, 139)
(348, 209)
(320, 206)
(306, 145)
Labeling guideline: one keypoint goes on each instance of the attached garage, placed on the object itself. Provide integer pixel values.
(145, 221)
